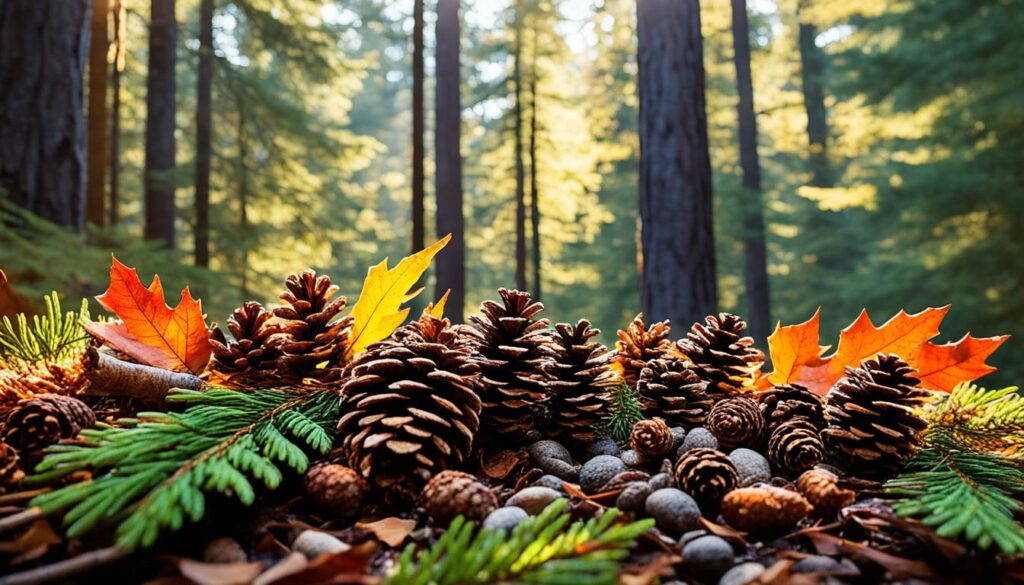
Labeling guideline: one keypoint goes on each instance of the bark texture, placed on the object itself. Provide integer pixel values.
(160, 109)
(517, 96)
(418, 226)
(115, 112)
(204, 122)
(99, 44)
(814, 101)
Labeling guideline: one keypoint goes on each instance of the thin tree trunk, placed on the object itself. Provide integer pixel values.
(755, 253)
(451, 263)
(204, 122)
(418, 225)
(115, 111)
(814, 101)
(95, 208)
(243, 196)
(678, 276)
(43, 49)
(160, 108)
(534, 187)
(517, 81)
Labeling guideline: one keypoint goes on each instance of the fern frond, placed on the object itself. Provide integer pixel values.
(625, 412)
(47, 338)
(546, 548)
(152, 473)
(980, 419)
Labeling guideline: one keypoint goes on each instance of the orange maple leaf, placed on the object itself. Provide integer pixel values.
(793, 348)
(150, 331)
(945, 366)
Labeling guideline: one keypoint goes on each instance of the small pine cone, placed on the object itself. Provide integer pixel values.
(15, 386)
(707, 475)
(453, 493)
(579, 396)
(10, 471)
(822, 490)
(36, 423)
(724, 358)
(736, 422)
(651, 438)
(251, 348)
(670, 388)
(764, 509)
(874, 426)
(310, 330)
(795, 447)
(789, 402)
(338, 489)
(638, 345)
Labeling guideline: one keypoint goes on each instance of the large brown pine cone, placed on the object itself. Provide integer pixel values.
(454, 493)
(821, 488)
(724, 358)
(670, 388)
(651, 438)
(639, 344)
(36, 423)
(736, 422)
(514, 350)
(338, 489)
(707, 475)
(764, 509)
(309, 329)
(874, 424)
(795, 446)
(250, 350)
(579, 396)
(789, 402)
(411, 409)
(10, 469)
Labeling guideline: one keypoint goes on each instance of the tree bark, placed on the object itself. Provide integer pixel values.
(517, 96)
(534, 187)
(204, 122)
(814, 101)
(755, 252)
(678, 274)
(160, 110)
(243, 194)
(451, 263)
(43, 47)
(115, 111)
(95, 208)
(418, 219)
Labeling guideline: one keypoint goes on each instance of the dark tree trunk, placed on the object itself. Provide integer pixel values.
(115, 112)
(99, 44)
(43, 47)
(243, 196)
(755, 253)
(517, 96)
(451, 263)
(814, 101)
(204, 121)
(534, 187)
(160, 108)
(678, 276)
(418, 220)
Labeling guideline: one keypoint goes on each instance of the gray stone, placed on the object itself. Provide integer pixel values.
(708, 557)
(598, 471)
(631, 458)
(548, 449)
(698, 438)
(549, 481)
(505, 518)
(602, 446)
(561, 469)
(314, 543)
(742, 574)
(751, 465)
(662, 480)
(678, 435)
(633, 498)
(533, 499)
(673, 510)
(816, 564)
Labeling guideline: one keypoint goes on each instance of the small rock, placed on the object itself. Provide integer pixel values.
(751, 465)
(708, 557)
(561, 469)
(816, 564)
(224, 550)
(602, 446)
(673, 510)
(548, 449)
(505, 518)
(549, 481)
(633, 498)
(314, 543)
(533, 499)
(631, 458)
(661, 480)
(533, 435)
(698, 438)
(598, 471)
(742, 574)
(692, 535)
(678, 435)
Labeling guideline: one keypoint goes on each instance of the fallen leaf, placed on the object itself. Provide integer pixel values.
(794, 347)
(378, 310)
(391, 531)
(291, 564)
(500, 464)
(150, 331)
(437, 309)
(723, 531)
(898, 566)
(945, 366)
(12, 303)
(651, 572)
(349, 567)
(39, 534)
(202, 573)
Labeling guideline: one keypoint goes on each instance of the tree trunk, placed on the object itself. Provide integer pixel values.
(755, 253)
(534, 187)
(243, 196)
(115, 111)
(451, 263)
(160, 109)
(418, 221)
(43, 46)
(814, 102)
(95, 208)
(204, 115)
(517, 96)
(678, 275)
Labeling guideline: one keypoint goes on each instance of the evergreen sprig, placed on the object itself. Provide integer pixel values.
(625, 412)
(546, 548)
(151, 473)
(47, 338)
(980, 419)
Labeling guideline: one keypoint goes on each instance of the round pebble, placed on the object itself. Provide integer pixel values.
(224, 550)
(815, 564)
(533, 499)
(742, 574)
(314, 543)
(698, 438)
(633, 498)
(678, 435)
(602, 446)
(598, 471)
(548, 481)
(561, 469)
(673, 510)
(631, 458)
(751, 466)
(548, 449)
(661, 480)
(708, 557)
(505, 518)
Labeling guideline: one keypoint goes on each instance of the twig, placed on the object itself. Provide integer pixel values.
(61, 570)
(23, 495)
(20, 519)
(109, 376)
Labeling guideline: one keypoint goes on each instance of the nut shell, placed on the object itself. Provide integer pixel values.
(764, 509)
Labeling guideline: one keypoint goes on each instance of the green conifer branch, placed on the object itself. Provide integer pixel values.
(980, 419)
(625, 412)
(47, 338)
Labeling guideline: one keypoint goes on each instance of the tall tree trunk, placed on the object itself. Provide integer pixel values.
(418, 225)
(120, 29)
(204, 121)
(517, 81)
(43, 47)
(451, 263)
(755, 253)
(99, 45)
(814, 101)
(160, 109)
(243, 195)
(534, 187)
(678, 276)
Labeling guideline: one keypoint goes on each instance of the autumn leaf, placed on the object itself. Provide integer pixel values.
(945, 366)
(12, 303)
(794, 347)
(150, 331)
(437, 309)
(379, 310)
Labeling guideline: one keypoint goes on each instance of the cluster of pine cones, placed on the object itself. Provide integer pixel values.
(34, 423)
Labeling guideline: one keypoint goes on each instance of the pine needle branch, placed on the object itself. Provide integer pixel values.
(48, 338)
(980, 419)
(625, 412)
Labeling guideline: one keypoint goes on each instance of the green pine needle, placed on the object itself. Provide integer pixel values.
(980, 419)
(625, 412)
(47, 338)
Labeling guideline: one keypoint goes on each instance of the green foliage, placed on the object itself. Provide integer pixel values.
(46, 338)
(546, 548)
(151, 473)
(980, 419)
(625, 412)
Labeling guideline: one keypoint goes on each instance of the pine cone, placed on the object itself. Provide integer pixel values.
(515, 359)
(36, 423)
(310, 331)
(736, 422)
(579, 391)
(10, 470)
(707, 475)
(822, 490)
(795, 447)
(453, 493)
(638, 345)
(15, 386)
(764, 509)
(411, 406)
(339, 490)
(790, 402)
(727, 361)
(251, 349)
(873, 427)
(670, 388)
(651, 438)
